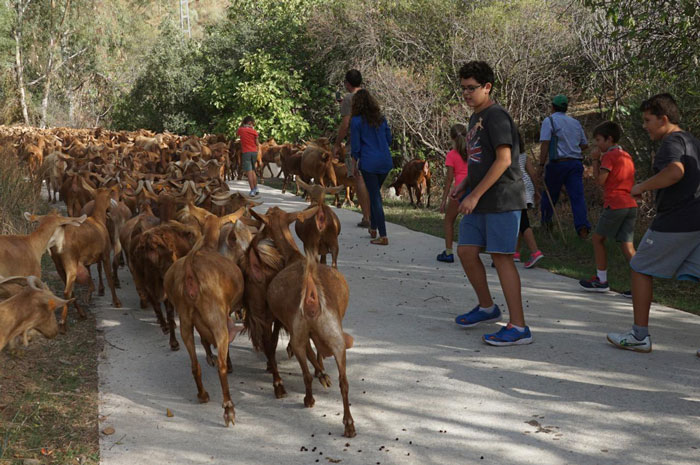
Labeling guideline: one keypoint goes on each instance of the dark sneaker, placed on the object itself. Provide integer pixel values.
(444, 257)
(509, 336)
(627, 294)
(583, 232)
(594, 285)
(478, 316)
(627, 341)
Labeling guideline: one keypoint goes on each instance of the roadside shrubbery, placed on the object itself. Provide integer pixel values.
(17, 195)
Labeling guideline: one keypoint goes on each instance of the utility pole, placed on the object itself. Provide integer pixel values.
(185, 17)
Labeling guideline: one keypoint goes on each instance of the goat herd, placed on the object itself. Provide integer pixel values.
(160, 205)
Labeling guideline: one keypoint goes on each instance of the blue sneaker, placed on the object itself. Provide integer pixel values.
(478, 316)
(509, 336)
(444, 257)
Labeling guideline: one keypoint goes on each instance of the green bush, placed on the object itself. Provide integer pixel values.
(17, 195)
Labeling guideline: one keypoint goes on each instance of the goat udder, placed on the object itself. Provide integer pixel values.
(349, 340)
(82, 275)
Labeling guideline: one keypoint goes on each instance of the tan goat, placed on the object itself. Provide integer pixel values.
(20, 255)
(320, 237)
(203, 287)
(25, 304)
(83, 246)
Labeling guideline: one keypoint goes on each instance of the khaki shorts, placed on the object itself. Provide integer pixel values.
(669, 255)
(248, 160)
(618, 224)
(350, 164)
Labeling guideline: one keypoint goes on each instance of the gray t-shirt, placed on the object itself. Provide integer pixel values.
(489, 129)
(346, 110)
(678, 205)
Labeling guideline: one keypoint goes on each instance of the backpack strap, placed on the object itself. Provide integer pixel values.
(554, 141)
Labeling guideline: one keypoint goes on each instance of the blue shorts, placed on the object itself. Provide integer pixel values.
(494, 232)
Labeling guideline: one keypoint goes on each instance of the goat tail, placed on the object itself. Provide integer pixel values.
(191, 282)
(312, 299)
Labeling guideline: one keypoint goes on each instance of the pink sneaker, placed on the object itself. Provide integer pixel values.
(516, 257)
(534, 258)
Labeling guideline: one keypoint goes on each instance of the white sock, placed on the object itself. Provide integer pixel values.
(519, 328)
(490, 309)
(603, 276)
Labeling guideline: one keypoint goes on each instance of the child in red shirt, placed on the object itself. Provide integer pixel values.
(456, 162)
(249, 149)
(614, 170)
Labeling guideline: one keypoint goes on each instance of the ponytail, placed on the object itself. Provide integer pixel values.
(458, 133)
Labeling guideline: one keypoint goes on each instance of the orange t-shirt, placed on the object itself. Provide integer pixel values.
(618, 185)
(248, 136)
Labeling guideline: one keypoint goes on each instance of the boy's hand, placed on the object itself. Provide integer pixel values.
(442, 206)
(595, 154)
(468, 204)
(637, 191)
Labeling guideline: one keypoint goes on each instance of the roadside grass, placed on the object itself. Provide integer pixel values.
(565, 254)
(48, 395)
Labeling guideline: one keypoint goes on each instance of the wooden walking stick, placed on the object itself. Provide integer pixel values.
(556, 215)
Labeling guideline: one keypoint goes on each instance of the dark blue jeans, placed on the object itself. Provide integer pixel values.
(567, 173)
(374, 182)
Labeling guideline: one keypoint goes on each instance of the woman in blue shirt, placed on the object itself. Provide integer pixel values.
(370, 138)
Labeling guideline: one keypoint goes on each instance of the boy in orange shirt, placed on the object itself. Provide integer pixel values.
(250, 147)
(614, 170)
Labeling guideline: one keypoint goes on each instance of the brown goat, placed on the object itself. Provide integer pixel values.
(317, 164)
(341, 175)
(416, 176)
(84, 245)
(21, 254)
(203, 287)
(310, 300)
(291, 166)
(153, 253)
(320, 237)
(26, 304)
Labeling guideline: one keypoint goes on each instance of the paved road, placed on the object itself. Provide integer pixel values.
(423, 390)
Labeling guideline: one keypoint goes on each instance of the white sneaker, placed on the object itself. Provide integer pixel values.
(627, 341)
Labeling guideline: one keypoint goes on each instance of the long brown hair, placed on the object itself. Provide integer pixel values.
(363, 104)
(458, 134)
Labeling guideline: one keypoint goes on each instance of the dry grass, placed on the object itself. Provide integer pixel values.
(17, 195)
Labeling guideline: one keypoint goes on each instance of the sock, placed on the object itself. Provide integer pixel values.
(519, 328)
(448, 251)
(490, 309)
(640, 332)
(603, 276)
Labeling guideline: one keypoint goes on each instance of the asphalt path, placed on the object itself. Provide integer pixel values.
(423, 390)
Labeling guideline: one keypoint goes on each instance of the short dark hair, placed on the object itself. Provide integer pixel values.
(248, 119)
(480, 71)
(608, 129)
(562, 108)
(662, 105)
(354, 77)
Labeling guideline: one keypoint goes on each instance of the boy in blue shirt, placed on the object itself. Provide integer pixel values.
(492, 207)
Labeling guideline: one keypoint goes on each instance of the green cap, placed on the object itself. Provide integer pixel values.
(560, 100)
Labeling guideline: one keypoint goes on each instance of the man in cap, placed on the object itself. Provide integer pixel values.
(562, 144)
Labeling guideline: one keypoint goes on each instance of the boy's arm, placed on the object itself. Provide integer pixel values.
(499, 166)
(600, 173)
(342, 132)
(670, 175)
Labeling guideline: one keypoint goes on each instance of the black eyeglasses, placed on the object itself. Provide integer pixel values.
(470, 89)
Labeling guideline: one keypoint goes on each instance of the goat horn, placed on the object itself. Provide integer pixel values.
(149, 187)
(233, 217)
(224, 196)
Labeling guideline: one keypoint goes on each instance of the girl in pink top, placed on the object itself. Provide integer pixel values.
(456, 162)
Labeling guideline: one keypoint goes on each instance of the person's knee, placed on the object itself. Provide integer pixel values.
(598, 238)
(468, 254)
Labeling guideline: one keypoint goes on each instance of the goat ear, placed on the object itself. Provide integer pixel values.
(74, 221)
(233, 217)
(335, 190)
(302, 215)
(29, 217)
(260, 217)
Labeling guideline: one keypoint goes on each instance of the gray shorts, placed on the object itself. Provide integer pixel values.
(669, 255)
(248, 160)
(618, 224)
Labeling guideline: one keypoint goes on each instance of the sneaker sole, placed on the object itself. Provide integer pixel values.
(633, 349)
(534, 262)
(471, 325)
(446, 261)
(519, 342)
(593, 289)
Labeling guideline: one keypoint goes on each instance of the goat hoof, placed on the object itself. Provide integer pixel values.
(164, 328)
(350, 431)
(100, 292)
(309, 401)
(325, 380)
(280, 392)
(62, 328)
(203, 397)
(174, 346)
(210, 361)
(143, 303)
(229, 418)
(117, 303)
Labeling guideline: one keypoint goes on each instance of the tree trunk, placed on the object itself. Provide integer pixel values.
(19, 70)
(47, 86)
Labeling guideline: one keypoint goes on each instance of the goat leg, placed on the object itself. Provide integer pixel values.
(105, 266)
(187, 335)
(207, 350)
(299, 343)
(68, 294)
(410, 195)
(170, 313)
(159, 314)
(348, 421)
(101, 285)
(317, 362)
(222, 346)
(270, 338)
